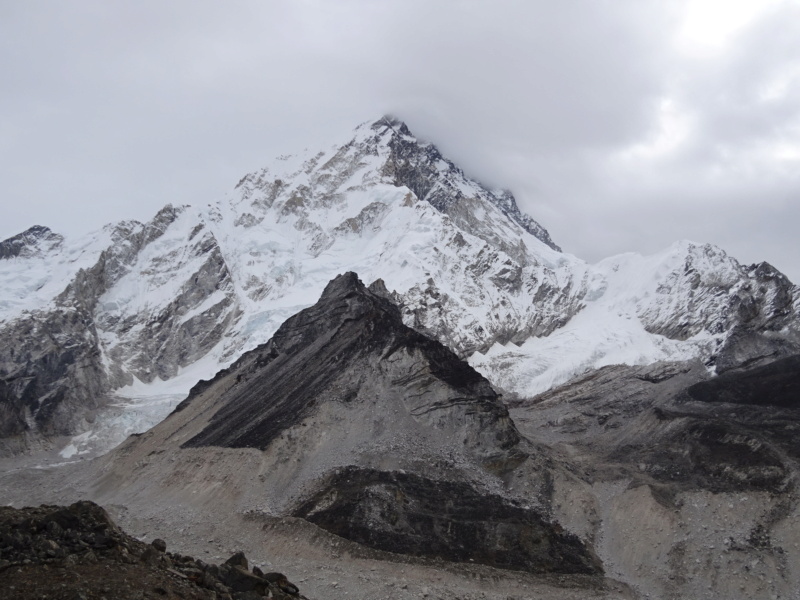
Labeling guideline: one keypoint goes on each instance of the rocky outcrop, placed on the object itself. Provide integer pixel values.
(411, 514)
(352, 347)
(719, 295)
(150, 340)
(435, 179)
(51, 376)
(776, 384)
(77, 551)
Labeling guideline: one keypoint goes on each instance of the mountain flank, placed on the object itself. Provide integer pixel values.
(348, 418)
(352, 347)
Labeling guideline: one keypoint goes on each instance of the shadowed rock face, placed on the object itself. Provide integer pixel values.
(409, 514)
(351, 341)
(696, 450)
(58, 364)
(672, 425)
(420, 168)
(775, 384)
(51, 373)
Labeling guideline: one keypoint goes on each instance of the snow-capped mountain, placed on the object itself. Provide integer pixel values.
(146, 310)
(689, 301)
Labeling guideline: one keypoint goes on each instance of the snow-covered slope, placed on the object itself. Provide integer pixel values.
(688, 301)
(142, 310)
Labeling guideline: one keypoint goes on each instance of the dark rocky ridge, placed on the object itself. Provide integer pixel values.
(29, 241)
(78, 552)
(774, 384)
(326, 352)
(410, 514)
(414, 165)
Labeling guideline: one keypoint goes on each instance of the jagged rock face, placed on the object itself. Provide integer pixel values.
(194, 308)
(409, 514)
(188, 305)
(715, 294)
(61, 360)
(433, 178)
(352, 348)
(52, 374)
(688, 302)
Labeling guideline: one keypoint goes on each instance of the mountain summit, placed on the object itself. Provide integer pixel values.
(126, 308)
(435, 179)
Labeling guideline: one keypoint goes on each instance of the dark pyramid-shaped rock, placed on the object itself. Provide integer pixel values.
(352, 346)
(414, 434)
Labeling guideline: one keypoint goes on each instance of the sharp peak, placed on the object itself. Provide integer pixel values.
(16, 245)
(33, 231)
(384, 122)
(348, 285)
(343, 284)
(391, 121)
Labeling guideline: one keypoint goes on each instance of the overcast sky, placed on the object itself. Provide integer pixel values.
(620, 125)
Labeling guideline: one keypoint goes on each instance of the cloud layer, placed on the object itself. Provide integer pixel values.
(620, 125)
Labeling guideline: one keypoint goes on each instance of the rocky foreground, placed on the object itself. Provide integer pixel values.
(79, 553)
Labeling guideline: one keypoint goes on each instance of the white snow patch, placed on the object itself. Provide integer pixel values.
(117, 421)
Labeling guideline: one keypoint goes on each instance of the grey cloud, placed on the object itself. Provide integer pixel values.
(110, 110)
(728, 93)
